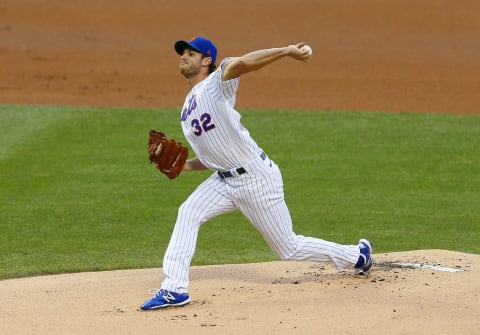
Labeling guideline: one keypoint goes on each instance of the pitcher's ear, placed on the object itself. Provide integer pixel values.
(206, 61)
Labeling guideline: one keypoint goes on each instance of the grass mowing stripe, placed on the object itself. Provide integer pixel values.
(77, 192)
(19, 124)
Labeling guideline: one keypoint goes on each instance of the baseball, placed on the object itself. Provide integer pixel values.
(309, 50)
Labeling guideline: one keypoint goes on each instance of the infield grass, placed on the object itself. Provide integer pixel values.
(77, 192)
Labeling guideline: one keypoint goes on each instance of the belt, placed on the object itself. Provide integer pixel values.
(239, 171)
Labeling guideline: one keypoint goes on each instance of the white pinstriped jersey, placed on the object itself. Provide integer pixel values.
(213, 127)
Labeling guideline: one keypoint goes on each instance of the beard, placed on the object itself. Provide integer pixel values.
(189, 71)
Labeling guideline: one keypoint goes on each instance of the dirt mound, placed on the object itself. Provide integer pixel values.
(263, 298)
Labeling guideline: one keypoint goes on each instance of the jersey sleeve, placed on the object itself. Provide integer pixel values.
(223, 90)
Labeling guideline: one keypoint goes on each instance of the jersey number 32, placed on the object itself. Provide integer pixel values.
(203, 125)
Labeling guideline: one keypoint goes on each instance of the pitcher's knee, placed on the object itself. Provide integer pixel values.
(184, 208)
(286, 253)
(290, 249)
(187, 213)
(293, 256)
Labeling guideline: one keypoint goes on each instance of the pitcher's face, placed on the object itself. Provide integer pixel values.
(192, 62)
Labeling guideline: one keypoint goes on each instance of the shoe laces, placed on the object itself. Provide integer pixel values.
(154, 291)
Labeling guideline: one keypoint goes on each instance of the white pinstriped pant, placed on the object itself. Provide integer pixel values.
(258, 194)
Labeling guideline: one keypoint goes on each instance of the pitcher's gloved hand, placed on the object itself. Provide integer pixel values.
(168, 155)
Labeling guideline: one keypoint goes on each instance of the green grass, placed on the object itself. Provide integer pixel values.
(77, 192)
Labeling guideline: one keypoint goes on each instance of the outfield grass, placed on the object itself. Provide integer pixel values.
(77, 192)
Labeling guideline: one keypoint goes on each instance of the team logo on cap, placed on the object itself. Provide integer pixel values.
(202, 45)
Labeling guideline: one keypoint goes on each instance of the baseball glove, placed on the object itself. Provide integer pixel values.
(168, 155)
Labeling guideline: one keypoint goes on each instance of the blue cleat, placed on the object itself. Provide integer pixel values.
(365, 260)
(164, 298)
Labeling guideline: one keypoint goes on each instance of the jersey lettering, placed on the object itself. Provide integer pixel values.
(192, 104)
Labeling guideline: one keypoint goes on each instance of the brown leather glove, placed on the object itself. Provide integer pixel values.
(168, 155)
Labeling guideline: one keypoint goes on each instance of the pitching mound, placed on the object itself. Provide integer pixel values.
(418, 292)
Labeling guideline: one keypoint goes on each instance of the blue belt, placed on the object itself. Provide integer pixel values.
(239, 171)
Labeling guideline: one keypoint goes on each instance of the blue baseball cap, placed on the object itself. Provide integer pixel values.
(200, 44)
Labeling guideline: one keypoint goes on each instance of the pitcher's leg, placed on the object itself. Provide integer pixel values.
(315, 249)
(275, 225)
(206, 202)
(262, 202)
